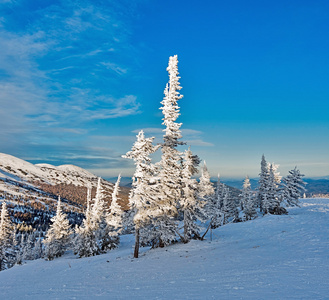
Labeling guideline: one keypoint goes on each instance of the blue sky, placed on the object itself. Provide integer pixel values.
(78, 79)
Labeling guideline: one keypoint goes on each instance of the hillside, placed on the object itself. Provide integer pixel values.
(32, 190)
(274, 257)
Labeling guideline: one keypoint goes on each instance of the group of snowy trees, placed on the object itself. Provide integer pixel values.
(166, 194)
(273, 192)
(163, 193)
(98, 232)
(166, 201)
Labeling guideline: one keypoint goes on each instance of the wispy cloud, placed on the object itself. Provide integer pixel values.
(40, 89)
(117, 69)
(199, 142)
(60, 68)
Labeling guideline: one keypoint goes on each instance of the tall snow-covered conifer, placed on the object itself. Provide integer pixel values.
(170, 160)
(170, 185)
(58, 235)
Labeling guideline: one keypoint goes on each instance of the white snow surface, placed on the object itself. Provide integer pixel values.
(272, 257)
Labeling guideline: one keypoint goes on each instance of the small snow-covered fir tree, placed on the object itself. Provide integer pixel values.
(85, 241)
(114, 218)
(38, 250)
(29, 244)
(215, 210)
(98, 218)
(262, 183)
(206, 197)
(293, 187)
(57, 239)
(272, 201)
(206, 189)
(248, 200)
(6, 238)
(190, 204)
(229, 209)
(143, 194)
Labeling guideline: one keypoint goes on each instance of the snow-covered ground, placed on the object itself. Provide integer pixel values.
(274, 257)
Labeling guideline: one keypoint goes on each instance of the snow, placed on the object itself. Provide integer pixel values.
(17, 169)
(274, 257)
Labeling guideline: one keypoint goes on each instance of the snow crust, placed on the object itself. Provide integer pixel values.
(274, 257)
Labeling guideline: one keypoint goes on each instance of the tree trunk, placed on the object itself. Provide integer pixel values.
(206, 231)
(185, 228)
(136, 243)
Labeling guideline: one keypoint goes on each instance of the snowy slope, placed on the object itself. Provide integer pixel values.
(274, 257)
(13, 167)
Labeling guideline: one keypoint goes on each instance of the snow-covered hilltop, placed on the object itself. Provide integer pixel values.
(32, 190)
(13, 167)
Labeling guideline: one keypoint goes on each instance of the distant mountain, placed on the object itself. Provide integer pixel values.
(31, 191)
(315, 185)
(15, 168)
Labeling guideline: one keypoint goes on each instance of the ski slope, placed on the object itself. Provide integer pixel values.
(274, 257)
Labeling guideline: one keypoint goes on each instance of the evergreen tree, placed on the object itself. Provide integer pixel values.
(29, 245)
(262, 183)
(206, 190)
(85, 241)
(143, 195)
(170, 185)
(6, 241)
(217, 204)
(248, 200)
(190, 203)
(114, 218)
(273, 199)
(229, 208)
(38, 250)
(293, 187)
(98, 218)
(57, 239)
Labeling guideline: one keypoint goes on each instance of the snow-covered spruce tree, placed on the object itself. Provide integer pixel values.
(28, 251)
(98, 218)
(217, 204)
(262, 183)
(143, 195)
(6, 238)
(114, 218)
(85, 241)
(189, 202)
(57, 238)
(170, 167)
(248, 204)
(229, 209)
(273, 199)
(38, 250)
(293, 187)
(206, 193)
